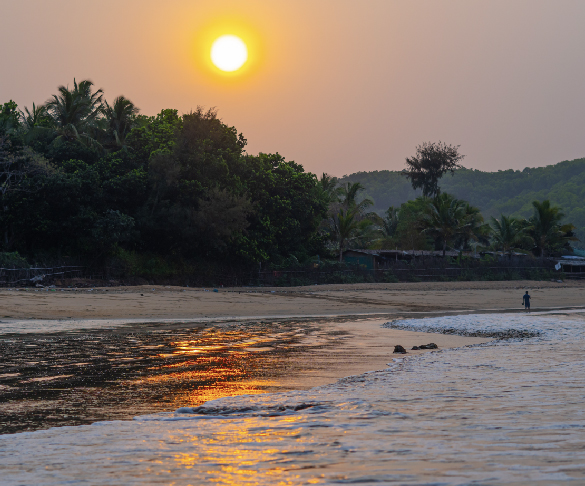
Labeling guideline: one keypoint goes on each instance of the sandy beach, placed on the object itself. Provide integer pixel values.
(287, 364)
(375, 300)
(124, 351)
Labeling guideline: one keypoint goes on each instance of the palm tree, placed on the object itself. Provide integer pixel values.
(75, 112)
(546, 228)
(37, 117)
(348, 194)
(119, 118)
(473, 228)
(344, 228)
(445, 220)
(329, 186)
(510, 234)
(348, 220)
(390, 222)
(387, 229)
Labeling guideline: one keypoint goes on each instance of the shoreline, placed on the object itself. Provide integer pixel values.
(182, 347)
(483, 405)
(127, 371)
(15, 327)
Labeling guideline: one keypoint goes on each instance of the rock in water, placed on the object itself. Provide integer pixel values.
(415, 348)
(399, 349)
(429, 346)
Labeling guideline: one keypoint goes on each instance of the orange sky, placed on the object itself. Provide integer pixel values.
(336, 85)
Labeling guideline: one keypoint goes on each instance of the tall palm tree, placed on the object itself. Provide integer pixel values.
(546, 228)
(119, 118)
(348, 194)
(445, 220)
(387, 229)
(75, 112)
(345, 225)
(509, 234)
(390, 222)
(348, 219)
(473, 228)
(329, 186)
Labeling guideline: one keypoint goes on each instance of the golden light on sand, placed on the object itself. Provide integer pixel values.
(229, 53)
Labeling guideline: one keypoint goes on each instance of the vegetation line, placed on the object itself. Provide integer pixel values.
(177, 199)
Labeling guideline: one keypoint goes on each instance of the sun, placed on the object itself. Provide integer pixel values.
(229, 53)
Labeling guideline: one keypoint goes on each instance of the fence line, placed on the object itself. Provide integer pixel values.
(407, 273)
(343, 274)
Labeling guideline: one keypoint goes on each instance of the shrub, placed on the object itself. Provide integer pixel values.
(12, 260)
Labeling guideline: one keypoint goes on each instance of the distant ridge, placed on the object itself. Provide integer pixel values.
(510, 192)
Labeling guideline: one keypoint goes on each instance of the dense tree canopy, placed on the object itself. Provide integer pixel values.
(87, 179)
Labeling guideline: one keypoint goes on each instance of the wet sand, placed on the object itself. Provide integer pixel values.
(509, 413)
(364, 346)
(80, 377)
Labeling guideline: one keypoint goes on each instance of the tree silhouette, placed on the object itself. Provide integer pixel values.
(119, 118)
(431, 162)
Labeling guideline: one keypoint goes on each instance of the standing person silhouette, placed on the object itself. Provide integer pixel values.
(526, 301)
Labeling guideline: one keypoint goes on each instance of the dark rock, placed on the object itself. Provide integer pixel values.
(429, 346)
(399, 349)
(414, 348)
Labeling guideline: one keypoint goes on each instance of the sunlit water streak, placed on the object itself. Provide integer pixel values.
(509, 412)
(77, 378)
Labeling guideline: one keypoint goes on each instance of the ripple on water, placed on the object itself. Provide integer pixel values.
(508, 412)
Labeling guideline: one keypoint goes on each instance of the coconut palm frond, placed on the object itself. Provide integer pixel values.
(119, 119)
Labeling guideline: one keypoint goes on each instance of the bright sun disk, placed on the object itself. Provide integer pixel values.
(229, 53)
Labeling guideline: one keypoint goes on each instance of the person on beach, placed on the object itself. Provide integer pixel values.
(526, 301)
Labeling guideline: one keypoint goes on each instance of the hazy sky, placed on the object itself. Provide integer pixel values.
(337, 85)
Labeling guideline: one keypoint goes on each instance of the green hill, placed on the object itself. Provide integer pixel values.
(509, 192)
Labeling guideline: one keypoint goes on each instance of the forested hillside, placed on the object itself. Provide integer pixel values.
(506, 192)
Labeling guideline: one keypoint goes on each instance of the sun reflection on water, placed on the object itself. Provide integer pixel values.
(142, 370)
(217, 363)
(232, 456)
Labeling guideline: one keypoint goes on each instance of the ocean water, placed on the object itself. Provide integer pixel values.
(507, 412)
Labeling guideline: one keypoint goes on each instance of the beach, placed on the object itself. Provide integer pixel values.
(133, 350)
(159, 302)
(277, 374)
(503, 412)
(155, 349)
